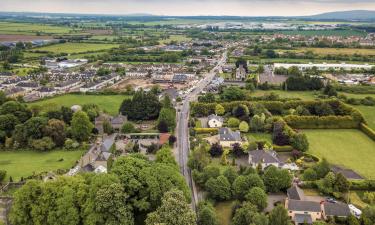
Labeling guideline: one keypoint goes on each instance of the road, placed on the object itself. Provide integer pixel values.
(183, 145)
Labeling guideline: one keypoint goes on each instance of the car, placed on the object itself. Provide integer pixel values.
(331, 200)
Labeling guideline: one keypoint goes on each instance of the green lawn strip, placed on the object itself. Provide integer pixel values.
(369, 113)
(349, 148)
(259, 137)
(107, 103)
(23, 163)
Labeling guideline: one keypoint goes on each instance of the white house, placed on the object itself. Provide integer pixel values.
(215, 121)
(269, 158)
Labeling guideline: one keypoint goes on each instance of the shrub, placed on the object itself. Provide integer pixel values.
(3, 173)
(43, 144)
(233, 122)
(309, 175)
(127, 128)
(216, 150)
(206, 130)
(244, 127)
(71, 144)
(368, 131)
(285, 148)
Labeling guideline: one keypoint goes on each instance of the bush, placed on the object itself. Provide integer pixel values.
(3, 173)
(309, 175)
(43, 144)
(285, 148)
(127, 128)
(206, 130)
(244, 127)
(233, 122)
(70, 144)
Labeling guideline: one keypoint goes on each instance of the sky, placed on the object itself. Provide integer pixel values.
(188, 7)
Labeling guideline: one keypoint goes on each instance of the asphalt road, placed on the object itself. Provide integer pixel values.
(183, 130)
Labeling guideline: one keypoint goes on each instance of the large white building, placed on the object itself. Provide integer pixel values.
(324, 66)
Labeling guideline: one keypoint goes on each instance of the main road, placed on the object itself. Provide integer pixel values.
(183, 145)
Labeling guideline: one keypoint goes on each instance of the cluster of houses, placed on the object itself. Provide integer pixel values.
(324, 66)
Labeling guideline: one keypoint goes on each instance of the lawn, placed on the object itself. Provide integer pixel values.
(369, 113)
(107, 103)
(348, 148)
(24, 163)
(70, 48)
(259, 137)
(304, 95)
(224, 212)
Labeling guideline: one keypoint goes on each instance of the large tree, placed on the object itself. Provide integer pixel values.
(56, 130)
(143, 106)
(219, 188)
(279, 216)
(174, 210)
(206, 214)
(243, 183)
(81, 126)
(277, 179)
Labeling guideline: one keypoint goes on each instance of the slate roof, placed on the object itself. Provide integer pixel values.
(295, 193)
(227, 134)
(303, 218)
(262, 156)
(120, 119)
(103, 156)
(336, 209)
(305, 206)
(213, 116)
(88, 168)
(107, 143)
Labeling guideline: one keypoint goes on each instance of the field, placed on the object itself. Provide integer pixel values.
(108, 103)
(177, 38)
(24, 163)
(259, 137)
(337, 51)
(344, 33)
(224, 212)
(19, 37)
(348, 148)
(304, 95)
(31, 28)
(70, 48)
(369, 113)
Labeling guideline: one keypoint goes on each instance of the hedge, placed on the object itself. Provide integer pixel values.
(323, 122)
(362, 185)
(206, 130)
(315, 158)
(367, 130)
(285, 148)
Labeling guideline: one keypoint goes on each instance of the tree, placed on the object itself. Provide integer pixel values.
(168, 116)
(241, 111)
(17, 109)
(33, 128)
(231, 174)
(218, 188)
(216, 150)
(81, 126)
(206, 214)
(309, 175)
(207, 98)
(341, 183)
(257, 123)
(232, 94)
(3, 174)
(7, 123)
(279, 216)
(164, 155)
(67, 114)
(128, 127)
(219, 110)
(244, 127)
(237, 150)
(258, 197)
(174, 210)
(233, 122)
(322, 168)
(172, 139)
(300, 142)
(243, 183)
(330, 90)
(276, 179)
(56, 130)
(43, 144)
(247, 214)
(163, 126)
(107, 127)
(143, 106)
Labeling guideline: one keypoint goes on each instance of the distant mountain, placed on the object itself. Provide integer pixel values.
(360, 15)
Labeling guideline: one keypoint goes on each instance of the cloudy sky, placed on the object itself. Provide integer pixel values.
(188, 7)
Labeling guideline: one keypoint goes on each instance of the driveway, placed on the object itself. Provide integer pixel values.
(272, 199)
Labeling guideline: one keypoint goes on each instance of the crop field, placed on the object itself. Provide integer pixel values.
(107, 103)
(31, 28)
(343, 33)
(23, 163)
(349, 148)
(70, 48)
(337, 51)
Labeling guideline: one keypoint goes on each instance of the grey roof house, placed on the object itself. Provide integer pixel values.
(227, 137)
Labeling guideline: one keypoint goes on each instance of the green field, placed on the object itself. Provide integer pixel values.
(31, 28)
(177, 38)
(70, 48)
(369, 113)
(259, 137)
(337, 51)
(24, 163)
(344, 33)
(107, 103)
(304, 95)
(349, 148)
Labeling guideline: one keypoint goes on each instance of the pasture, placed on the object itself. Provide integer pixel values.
(369, 113)
(32, 28)
(107, 103)
(343, 33)
(23, 163)
(338, 51)
(345, 147)
(70, 48)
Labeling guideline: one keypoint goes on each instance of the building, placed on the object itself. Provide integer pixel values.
(46, 92)
(118, 121)
(332, 210)
(228, 138)
(267, 158)
(303, 212)
(324, 66)
(241, 73)
(215, 121)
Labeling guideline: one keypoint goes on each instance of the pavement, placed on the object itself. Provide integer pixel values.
(183, 145)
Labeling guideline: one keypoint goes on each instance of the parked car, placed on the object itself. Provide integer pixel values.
(331, 200)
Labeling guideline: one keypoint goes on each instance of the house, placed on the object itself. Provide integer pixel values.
(340, 210)
(46, 92)
(267, 158)
(215, 121)
(241, 73)
(303, 212)
(118, 121)
(228, 138)
(99, 121)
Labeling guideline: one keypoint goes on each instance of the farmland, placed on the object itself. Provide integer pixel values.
(369, 113)
(109, 103)
(23, 163)
(348, 148)
(344, 33)
(337, 51)
(31, 28)
(70, 48)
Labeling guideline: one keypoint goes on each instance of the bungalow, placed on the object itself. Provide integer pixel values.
(215, 121)
(228, 138)
(269, 158)
(118, 121)
(331, 210)
(303, 212)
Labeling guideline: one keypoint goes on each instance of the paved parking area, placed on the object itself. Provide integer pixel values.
(272, 199)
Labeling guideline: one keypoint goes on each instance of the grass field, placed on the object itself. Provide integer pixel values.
(349, 148)
(31, 28)
(177, 38)
(337, 51)
(259, 137)
(107, 103)
(369, 113)
(224, 212)
(344, 33)
(24, 163)
(76, 47)
(304, 95)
